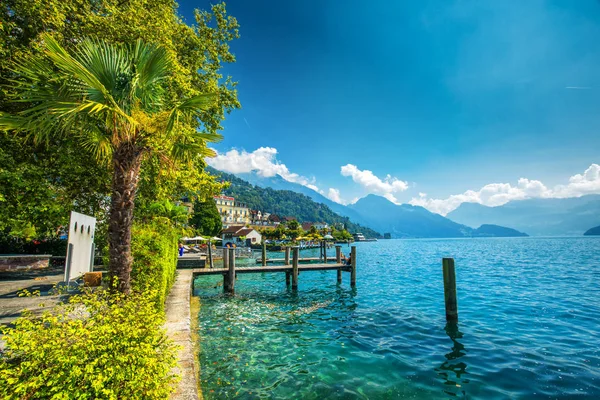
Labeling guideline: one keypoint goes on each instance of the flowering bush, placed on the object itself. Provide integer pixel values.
(97, 346)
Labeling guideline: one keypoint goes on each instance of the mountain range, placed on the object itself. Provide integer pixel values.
(287, 203)
(375, 212)
(540, 217)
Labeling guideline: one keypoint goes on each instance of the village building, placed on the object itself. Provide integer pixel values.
(231, 211)
(318, 225)
(259, 218)
(274, 220)
(255, 217)
(240, 236)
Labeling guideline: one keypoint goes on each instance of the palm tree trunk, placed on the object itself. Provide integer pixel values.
(126, 170)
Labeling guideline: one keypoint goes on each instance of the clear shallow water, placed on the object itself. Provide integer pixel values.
(529, 311)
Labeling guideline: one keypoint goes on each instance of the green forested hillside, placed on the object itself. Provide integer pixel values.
(285, 203)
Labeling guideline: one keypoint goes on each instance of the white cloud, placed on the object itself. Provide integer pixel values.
(496, 194)
(263, 161)
(580, 184)
(334, 195)
(385, 187)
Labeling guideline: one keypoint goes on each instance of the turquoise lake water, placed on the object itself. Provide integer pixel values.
(529, 325)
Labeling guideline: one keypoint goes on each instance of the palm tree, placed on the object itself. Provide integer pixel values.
(112, 99)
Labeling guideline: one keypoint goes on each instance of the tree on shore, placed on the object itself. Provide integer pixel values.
(206, 218)
(110, 99)
(41, 183)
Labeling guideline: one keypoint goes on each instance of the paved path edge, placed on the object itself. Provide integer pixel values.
(179, 328)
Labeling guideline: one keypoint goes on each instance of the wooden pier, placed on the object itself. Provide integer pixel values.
(230, 271)
(300, 260)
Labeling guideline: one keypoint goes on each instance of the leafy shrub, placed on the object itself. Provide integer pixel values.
(154, 248)
(98, 346)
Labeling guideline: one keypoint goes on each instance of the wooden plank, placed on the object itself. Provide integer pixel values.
(283, 260)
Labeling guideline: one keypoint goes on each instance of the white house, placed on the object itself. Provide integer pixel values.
(241, 236)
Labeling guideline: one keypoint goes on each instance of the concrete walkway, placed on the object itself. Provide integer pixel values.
(178, 325)
(12, 282)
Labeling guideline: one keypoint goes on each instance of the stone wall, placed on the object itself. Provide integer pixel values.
(24, 262)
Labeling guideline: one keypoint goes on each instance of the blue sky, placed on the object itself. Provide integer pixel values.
(443, 96)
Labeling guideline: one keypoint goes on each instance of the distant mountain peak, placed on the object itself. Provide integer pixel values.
(374, 211)
(540, 217)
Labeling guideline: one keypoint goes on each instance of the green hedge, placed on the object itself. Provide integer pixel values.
(15, 245)
(99, 346)
(154, 248)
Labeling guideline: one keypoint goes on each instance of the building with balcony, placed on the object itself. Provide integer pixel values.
(232, 212)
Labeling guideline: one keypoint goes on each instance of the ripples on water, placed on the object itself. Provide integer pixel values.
(529, 325)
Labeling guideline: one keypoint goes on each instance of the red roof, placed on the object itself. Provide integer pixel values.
(243, 232)
(225, 198)
(232, 229)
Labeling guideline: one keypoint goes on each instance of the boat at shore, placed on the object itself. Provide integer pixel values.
(359, 237)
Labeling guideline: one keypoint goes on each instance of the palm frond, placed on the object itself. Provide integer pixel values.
(152, 65)
(105, 95)
(190, 109)
(94, 65)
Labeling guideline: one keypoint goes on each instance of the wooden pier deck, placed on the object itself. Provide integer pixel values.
(273, 268)
(283, 260)
(291, 270)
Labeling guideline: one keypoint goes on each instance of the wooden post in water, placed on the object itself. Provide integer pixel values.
(210, 259)
(287, 255)
(320, 251)
(225, 257)
(338, 259)
(450, 290)
(264, 253)
(353, 266)
(295, 268)
(231, 273)
(325, 252)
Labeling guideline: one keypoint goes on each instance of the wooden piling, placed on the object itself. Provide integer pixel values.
(320, 251)
(338, 259)
(264, 253)
(210, 257)
(325, 252)
(295, 268)
(225, 257)
(288, 276)
(353, 266)
(287, 255)
(450, 290)
(231, 273)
